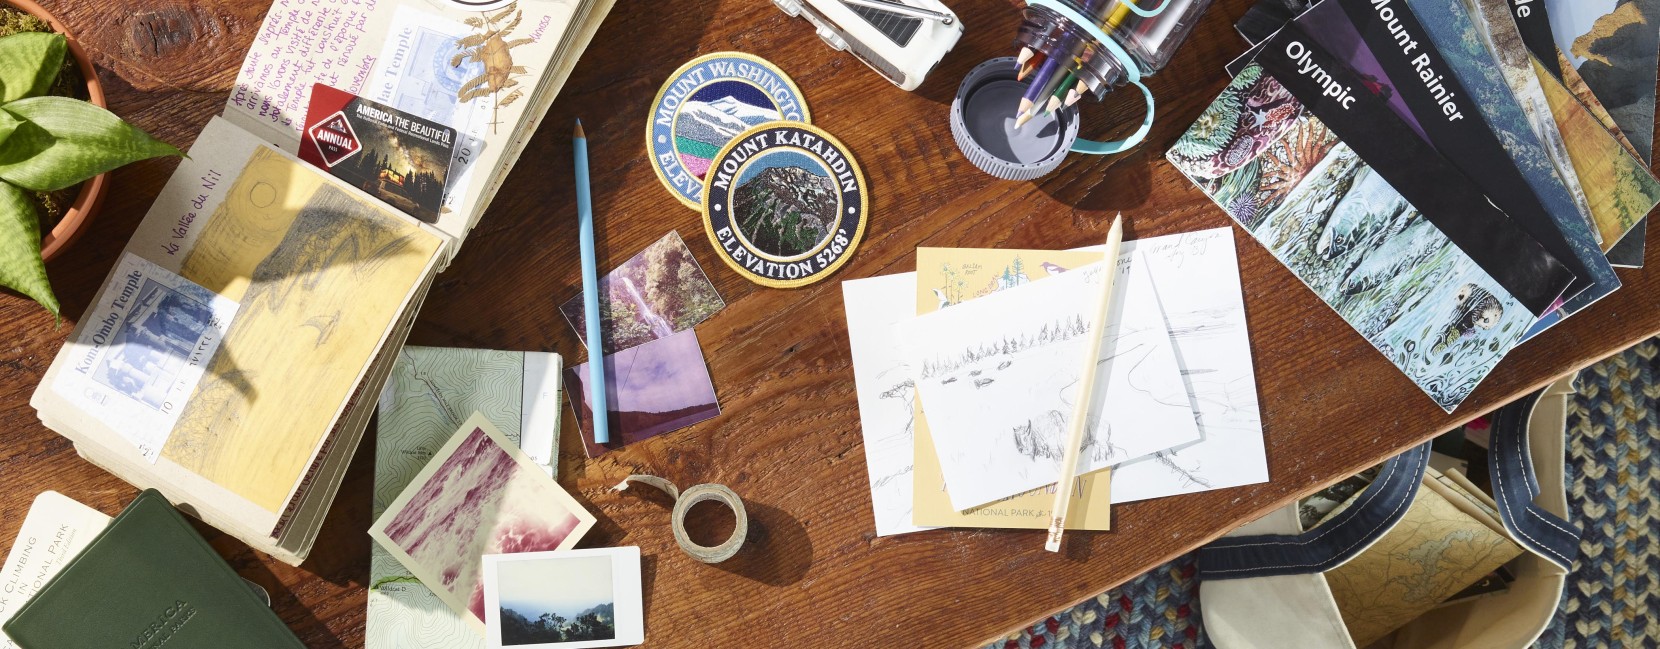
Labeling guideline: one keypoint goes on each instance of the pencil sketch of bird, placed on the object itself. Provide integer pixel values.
(324, 324)
(1053, 269)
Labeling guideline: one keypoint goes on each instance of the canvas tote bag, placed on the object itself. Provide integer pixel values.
(1263, 586)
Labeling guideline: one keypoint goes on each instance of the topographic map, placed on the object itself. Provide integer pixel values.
(431, 392)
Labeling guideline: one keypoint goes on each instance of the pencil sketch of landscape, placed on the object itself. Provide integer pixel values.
(886, 393)
(1197, 281)
(999, 375)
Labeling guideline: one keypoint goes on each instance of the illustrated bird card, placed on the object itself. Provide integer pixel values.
(392, 155)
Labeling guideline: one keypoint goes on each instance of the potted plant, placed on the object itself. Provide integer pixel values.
(51, 141)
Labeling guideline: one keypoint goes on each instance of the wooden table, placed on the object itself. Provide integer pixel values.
(813, 573)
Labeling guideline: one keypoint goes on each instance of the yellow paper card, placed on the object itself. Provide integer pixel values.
(321, 275)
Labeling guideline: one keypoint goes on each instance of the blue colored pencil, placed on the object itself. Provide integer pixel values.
(590, 290)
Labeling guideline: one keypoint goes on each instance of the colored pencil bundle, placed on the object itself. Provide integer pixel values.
(1055, 81)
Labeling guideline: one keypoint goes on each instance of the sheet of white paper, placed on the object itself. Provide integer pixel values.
(998, 375)
(885, 392)
(1196, 276)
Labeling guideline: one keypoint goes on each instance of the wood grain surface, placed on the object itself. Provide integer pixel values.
(813, 573)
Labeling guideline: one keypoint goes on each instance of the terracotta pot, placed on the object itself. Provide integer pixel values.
(86, 203)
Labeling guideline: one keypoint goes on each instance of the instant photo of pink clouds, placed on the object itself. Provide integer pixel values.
(480, 501)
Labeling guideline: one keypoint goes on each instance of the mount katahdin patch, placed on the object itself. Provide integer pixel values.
(706, 103)
(784, 204)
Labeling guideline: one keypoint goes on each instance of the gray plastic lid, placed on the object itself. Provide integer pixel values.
(982, 121)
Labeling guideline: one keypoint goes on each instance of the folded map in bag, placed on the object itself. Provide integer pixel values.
(1445, 542)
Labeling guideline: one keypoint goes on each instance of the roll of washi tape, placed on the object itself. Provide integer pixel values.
(683, 501)
(706, 103)
(785, 204)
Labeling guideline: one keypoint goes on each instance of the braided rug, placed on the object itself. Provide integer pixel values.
(1611, 599)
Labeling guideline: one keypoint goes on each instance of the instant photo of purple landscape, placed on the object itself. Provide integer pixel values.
(478, 495)
(651, 389)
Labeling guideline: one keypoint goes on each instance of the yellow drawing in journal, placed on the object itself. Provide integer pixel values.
(319, 275)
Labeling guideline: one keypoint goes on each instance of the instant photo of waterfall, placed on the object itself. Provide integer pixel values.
(655, 294)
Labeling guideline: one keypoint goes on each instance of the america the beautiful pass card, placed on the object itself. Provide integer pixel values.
(392, 155)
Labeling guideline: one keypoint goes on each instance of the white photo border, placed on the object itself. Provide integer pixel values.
(626, 589)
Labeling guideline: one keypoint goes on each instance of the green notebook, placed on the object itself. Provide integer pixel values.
(148, 581)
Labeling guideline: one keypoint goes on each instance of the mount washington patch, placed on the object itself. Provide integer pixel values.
(784, 204)
(706, 103)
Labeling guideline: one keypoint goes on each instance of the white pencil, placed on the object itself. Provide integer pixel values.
(1086, 387)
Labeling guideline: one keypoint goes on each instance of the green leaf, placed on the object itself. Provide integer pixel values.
(21, 268)
(8, 124)
(29, 63)
(65, 141)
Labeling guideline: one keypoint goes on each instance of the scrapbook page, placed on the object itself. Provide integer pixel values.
(240, 277)
(490, 75)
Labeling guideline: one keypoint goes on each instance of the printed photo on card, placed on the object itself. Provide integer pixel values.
(144, 349)
(564, 600)
(658, 387)
(478, 495)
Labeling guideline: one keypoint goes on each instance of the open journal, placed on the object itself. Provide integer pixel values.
(233, 357)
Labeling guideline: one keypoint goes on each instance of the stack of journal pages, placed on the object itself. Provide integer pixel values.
(233, 356)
